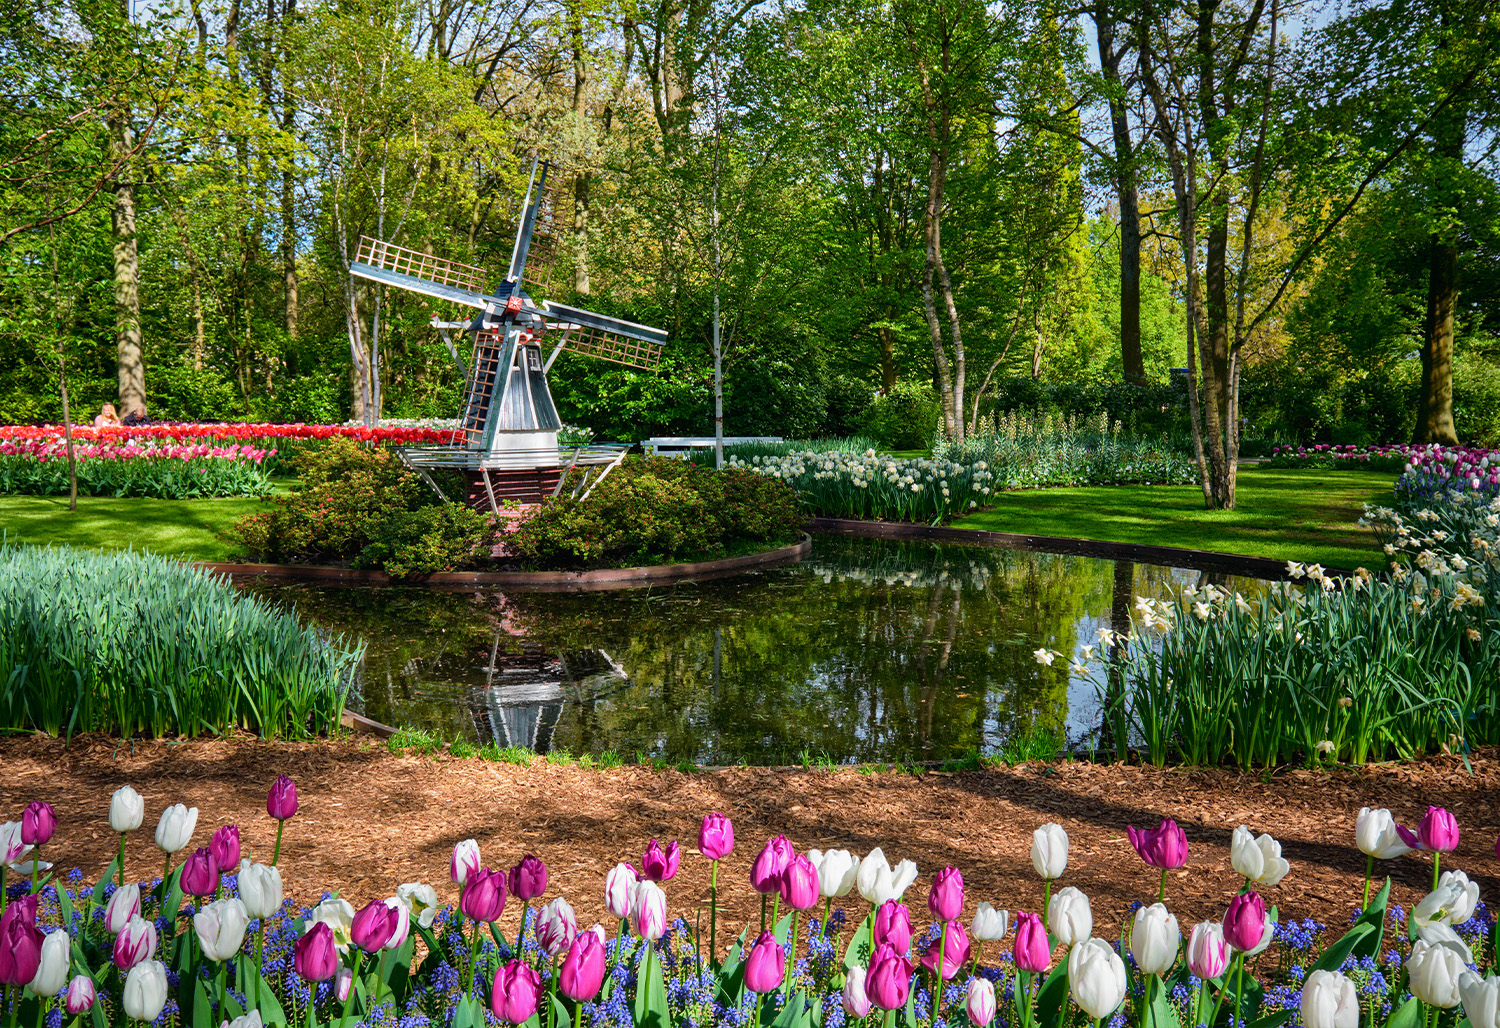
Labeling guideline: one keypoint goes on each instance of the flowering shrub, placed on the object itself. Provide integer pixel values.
(122, 467)
(216, 940)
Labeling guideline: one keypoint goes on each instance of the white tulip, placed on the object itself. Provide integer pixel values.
(855, 1001)
(981, 1002)
(220, 927)
(403, 922)
(878, 882)
(1481, 999)
(1451, 903)
(1434, 970)
(122, 906)
(250, 1020)
(421, 900)
(52, 973)
(1096, 978)
(1257, 858)
(1376, 836)
(259, 888)
(1155, 939)
(1436, 933)
(1329, 1000)
(12, 848)
(989, 924)
(1069, 916)
(145, 992)
(619, 891)
(556, 927)
(175, 829)
(466, 861)
(338, 915)
(837, 870)
(1049, 851)
(650, 905)
(126, 809)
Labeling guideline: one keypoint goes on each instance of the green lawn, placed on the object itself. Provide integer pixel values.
(172, 528)
(1305, 516)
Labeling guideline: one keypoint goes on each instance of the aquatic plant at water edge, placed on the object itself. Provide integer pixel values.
(130, 643)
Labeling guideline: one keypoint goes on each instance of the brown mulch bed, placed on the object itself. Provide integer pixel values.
(370, 820)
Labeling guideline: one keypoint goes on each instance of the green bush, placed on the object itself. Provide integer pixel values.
(657, 510)
(906, 418)
(439, 537)
(1476, 400)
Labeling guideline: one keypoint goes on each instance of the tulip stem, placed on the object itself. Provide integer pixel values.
(36, 869)
(937, 975)
(474, 957)
(122, 860)
(15, 1004)
(520, 935)
(1161, 892)
(1239, 958)
(759, 998)
(1239, 991)
(786, 985)
(1437, 859)
(827, 913)
(276, 853)
(713, 915)
(353, 986)
(762, 912)
(1369, 870)
(4, 894)
(1046, 901)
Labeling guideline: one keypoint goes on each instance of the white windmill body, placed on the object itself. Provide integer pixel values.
(509, 447)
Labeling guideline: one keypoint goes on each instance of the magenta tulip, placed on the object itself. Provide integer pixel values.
(200, 875)
(716, 837)
(528, 879)
(373, 926)
(484, 896)
(135, 943)
(1245, 922)
(888, 981)
(517, 989)
(38, 823)
(582, 972)
(893, 927)
(765, 964)
(20, 942)
(225, 847)
(81, 993)
(1438, 831)
(1031, 950)
(281, 801)
(765, 873)
(954, 943)
(799, 883)
(659, 866)
(315, 955)
(946, 900)
(1165, 847)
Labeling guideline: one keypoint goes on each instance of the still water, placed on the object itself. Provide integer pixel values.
(868, 650)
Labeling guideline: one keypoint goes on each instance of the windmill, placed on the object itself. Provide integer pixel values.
(509, 425)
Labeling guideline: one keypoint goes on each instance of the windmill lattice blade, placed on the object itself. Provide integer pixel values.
(610, 346)
(421, 272)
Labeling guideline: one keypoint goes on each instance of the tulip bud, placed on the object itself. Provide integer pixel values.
(855, 1002)
(650, 907)
(126, 810)
(878, 882)
(582, 973)
(220, 927)
(372, 927)
(281, 801)
(421, 900)
(1438, 832)
(225, 847)
(953, 948)
(514, 996)
(176, 827)
(765, 872)
(484, 896)
(52, 968)
(658, 865)
(836, 871)
(401, 912)
(465, 860)
(1377, 834)
(1154, 939)
(888, 980)
(619, 891)
(135, 943)
(528, 879)
(37, 825)
(1257, 858)
(1433, 971)
(122, 907)
(20, 942)
(259, 888)
(716, 836)
(1049, 851)
(1070, 917)
(1096, 978)
(1329, 1000)
(799, 883)
(981, 1002)
(557, 926)
(200, 875)
(1245, 922)
(1031, 950)
(989, 925)
(892, 927)
(81, 992)
(343, 983)
(1165, 846)
(316, 955)
(145, 992)
(1481, 999)
(765, 964)
(1208, 953)
(945, 901)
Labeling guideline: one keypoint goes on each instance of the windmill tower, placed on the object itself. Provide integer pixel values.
(509, 425)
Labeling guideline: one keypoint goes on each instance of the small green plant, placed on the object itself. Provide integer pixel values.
(562, 757)
(609, 759)
(517, 755)
(418, 739)
(968, 762)
(462, 748)
(586, 761)
(491, 752)
(1034, 743)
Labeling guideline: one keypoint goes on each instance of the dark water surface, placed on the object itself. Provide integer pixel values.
(868, 650)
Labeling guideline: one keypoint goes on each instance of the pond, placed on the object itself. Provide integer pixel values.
(868, 650)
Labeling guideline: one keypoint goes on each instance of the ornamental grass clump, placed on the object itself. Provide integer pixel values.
(134, 644)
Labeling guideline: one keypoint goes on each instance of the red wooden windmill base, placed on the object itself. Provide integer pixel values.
(520, 485)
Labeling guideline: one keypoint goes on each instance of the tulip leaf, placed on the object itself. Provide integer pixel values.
(1161, 1013)
(111, 873)
(649, 1005)
(795, 1014)
(1275, 1020)
(396, 970)
(468, 1014)
(731, 983)
(561, 1016)
(267, 1003)
(1374, 916)
(1407, 1015)
(1051, 998)
(203, 1011)
(784, 928)
(1334, 955)
(861, 945)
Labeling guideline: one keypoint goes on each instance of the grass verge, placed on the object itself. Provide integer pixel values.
(1301, 515)
(171, 528)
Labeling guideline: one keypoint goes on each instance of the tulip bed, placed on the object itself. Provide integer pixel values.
(214, 940)
(161, 470)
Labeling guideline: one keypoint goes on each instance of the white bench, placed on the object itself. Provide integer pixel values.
(682, 445)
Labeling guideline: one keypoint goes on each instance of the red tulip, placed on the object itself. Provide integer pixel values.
(1031, 950)
(484, 896)
(892, 927)
(20, 942)
(799, 883)
(1245, 922)
(281, 801)
(1438, 831)
(225, 847)
(528, 879)
(888, 981)
(765, 872)
(716, 837)
(765, 964)
(373, 926)
(954, 943)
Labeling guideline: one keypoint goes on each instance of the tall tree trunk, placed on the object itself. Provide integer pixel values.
(887, 339)
(581, 284)
(288, 183)
(127, 279)
(1126, 193)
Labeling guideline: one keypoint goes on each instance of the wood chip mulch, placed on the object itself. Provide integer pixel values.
(370, 820)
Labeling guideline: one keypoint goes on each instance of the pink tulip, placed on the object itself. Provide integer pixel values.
(515, 994)
(765, 964)
(946, 900)
(528, 879)
(892, 927)
(1165, 847)
(225, 847)
(200, 875)
(315, 955)
(582, 972)
(135, 943)
(465, 860)
(281, 801)
(765, 873)
(659, 866)
(954, 943)
(888, 981)
(1031, 950)
(1438, 831)
(20, 942)
(372, 926)
(81, 994)
(799, 883)
(716, 837)
(38, 823)
(1207, 951)
(484, 896)
(1245, 921)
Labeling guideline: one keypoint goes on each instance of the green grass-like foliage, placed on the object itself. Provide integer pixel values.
(134, 644)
